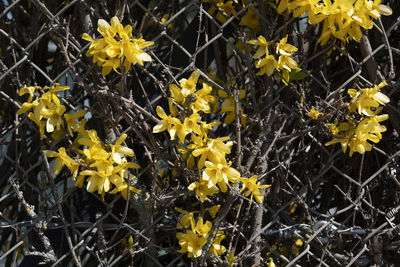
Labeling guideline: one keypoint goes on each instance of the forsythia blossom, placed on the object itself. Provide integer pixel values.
(268, 63)
(48, 107)
(342, 19)
(367, 98)
(193, 240)
(217, 173)
(355, 135)
(226, 6)
(253, 187)
(105, 166)
(313, 114)
(117, 47)
(228, 106)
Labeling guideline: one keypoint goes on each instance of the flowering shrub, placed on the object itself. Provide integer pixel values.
(217, 148)
(216, 171)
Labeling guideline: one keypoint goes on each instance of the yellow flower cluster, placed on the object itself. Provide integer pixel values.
(268, 63)
(342, 18)
(354, 135)
(223, 10)
(197, 234)
(191, 101)
(226, 7)
(47, 109)
(106, 165)
(211, 152)
(117, 47)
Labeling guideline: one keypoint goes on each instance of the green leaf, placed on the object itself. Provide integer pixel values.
(130, 244)
(297, 74)
(230, 258)
(273, 5)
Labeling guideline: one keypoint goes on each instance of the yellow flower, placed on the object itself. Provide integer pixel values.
(63, 159)
(227, 8)
(53, 113)
(176, 94)
(70, 119)
(186, 154)
(191, 124)
(180, 130)
(251, 20)
(51, 95)
(285, 49)
(202, 228)
(172, 107)
(205, 127)
(296, 246)
(187, 219)
(355, 137)
(90, 139)
(25, 107)
(283, 5)
(203, 99)
(96, 49)
(28, 90)
(341, 18)
(220, 174)
(80, 129)
(216, 248)
(191, 243)
(189, 85)
(341, 133)
(286, 64)
(267, 65)
(313, 114)
(123, 189)
(120, 175)
(39, 123)
(263, 46)
(193, 240)
(202, 190)
(228, 106)
(116, 46)
(271, 262)
(48, 106)
(99, 158)
(370, 127)
(98, 181)
(121, 171)
(117, 149)
(167, 122)
(367, 98)
(359, 145)
(212, 149)
(253, 187)
(213, 210)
